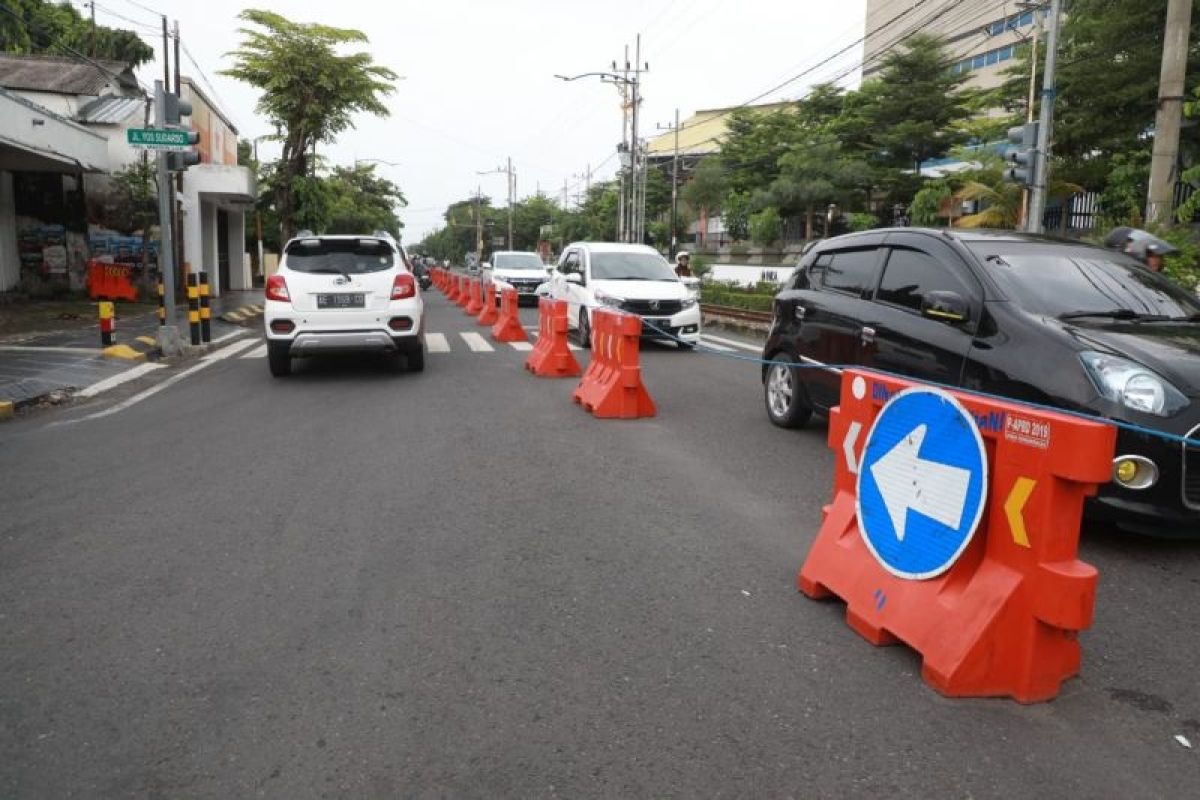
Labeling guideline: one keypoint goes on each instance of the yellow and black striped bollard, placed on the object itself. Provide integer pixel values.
(193, 295)
(162, 301)
(205, 311)
(107, 322)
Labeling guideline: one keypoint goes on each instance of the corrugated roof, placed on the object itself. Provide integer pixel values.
(700, 133)
(109, 110)
(61, 75)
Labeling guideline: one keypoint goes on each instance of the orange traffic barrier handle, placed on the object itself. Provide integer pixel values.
(489, 314)
(508, 326)
(999, 615)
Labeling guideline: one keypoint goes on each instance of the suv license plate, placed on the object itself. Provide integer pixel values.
(357, 300)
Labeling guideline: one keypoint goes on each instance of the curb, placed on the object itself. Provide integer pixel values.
(242, 315)
(141, 348)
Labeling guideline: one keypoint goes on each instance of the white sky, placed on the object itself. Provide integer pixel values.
(479, 77)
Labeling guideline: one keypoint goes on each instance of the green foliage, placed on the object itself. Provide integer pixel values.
(766, 226)
(707, 187)
(814, 174)
(723, 294)
(1184, 266)
(736, 215)
(310, 93)
(39, 27)
(1126, 188)
(863, 222)
(701, 266)
(927, 203)
(363, 202)
(753, 142)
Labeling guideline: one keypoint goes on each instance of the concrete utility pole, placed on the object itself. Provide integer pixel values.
(1031, 108)
(674, 184)
(1037, 198)
(1163, 172)
(166, 252)
(478, 225)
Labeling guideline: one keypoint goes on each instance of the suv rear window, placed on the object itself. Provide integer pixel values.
(340, 256)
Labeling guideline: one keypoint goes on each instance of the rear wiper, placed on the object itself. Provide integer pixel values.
(1113, 313)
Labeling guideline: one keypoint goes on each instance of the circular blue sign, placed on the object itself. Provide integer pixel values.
(922, 483)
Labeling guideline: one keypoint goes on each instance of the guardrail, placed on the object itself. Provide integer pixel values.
(736, 313)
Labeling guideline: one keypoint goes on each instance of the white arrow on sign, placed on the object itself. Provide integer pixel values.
(848, 447)
(905, 481)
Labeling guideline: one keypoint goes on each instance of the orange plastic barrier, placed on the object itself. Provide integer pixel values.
(508, 326)
(110, 281)
(974, 567)
(474, 298)
(551, 357)
(612, 387)
(464, 292)
(452, 288)
(490, 313)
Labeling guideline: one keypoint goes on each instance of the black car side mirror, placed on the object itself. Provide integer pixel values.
(945, 306)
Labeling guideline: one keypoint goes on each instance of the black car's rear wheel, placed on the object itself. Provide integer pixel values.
(785, 397)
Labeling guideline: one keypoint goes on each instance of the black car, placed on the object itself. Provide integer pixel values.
(1033, 318)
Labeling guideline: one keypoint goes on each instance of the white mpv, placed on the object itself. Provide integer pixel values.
(630, 277)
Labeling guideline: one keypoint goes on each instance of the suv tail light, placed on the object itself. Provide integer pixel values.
(404, 287)
(277, 289)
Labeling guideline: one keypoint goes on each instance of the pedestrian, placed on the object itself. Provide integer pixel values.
(683, 264)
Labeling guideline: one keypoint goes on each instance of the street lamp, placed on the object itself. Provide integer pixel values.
(358, 161)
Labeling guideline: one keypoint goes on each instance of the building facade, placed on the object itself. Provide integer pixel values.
(982, 37)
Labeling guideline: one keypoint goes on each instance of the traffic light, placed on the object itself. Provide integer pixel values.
(174, 109)
(1022, 162)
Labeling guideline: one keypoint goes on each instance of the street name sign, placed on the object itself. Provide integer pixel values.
(157, 139)
(922, 483)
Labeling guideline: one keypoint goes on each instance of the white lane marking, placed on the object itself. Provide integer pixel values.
(720, 348)
(436, 343)
(523, 346)
(257, 352)
(753, 348)
(476, 342)
(207, 361)
(116, 380)
(226, 336)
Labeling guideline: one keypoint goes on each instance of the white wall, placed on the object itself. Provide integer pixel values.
(239, 265)
(10, 258)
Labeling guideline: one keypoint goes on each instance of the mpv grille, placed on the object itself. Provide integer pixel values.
(653, 307)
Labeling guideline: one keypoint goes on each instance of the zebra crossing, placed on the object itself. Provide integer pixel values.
(472, 342)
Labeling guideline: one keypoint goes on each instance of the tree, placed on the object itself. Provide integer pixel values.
(131, 203)
(363, 202)
(911, 113)
(753, 142)
(1107, 84)
(813, 175)
(766, 226)
(36, 27)
(310, 93)
(736, 215)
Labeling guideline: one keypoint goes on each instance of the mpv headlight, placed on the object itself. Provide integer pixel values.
(604, 298)
(1132, 385)
(687, 302)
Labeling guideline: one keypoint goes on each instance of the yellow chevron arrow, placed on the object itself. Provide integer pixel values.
(1015, 505)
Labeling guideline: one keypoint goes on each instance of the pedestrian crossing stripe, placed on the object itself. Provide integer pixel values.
(476, 343)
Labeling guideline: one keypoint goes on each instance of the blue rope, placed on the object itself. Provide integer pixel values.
(1127, 426)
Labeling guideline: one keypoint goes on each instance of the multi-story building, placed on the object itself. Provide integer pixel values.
(982, 36)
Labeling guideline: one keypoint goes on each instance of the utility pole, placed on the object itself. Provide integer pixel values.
(177, 189)
(166, 253)
(478, 226)
(1037, 198)
(674, 183)
(92, 41)
(1170, 112)
(1031, 106)
(637, 211)
(166, 54)
(511, 192)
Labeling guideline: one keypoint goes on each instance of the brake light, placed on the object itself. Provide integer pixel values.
(277, 289)
(404, 287)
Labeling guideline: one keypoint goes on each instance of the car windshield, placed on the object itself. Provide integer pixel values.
(631, 267)
(529, 261)
(339, 256)
(1062, 280)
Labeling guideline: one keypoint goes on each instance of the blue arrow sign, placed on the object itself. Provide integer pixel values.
(922, 483)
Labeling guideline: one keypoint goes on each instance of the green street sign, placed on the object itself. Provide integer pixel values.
(157, 139)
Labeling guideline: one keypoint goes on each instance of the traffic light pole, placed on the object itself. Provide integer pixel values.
(166, 250)
(1041, 171)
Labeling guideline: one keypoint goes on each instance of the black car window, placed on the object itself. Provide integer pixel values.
(1055, 279)
(345, 256)
(910, 274)
(850, 271)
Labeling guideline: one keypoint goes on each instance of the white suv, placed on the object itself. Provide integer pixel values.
(344, 293)
(631, 277)
(512, 269)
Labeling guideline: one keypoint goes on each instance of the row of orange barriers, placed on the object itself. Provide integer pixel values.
(610, 388)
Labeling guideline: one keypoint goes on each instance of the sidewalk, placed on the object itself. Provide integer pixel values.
(52, 366)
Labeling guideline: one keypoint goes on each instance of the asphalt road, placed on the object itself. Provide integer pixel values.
(352, 583)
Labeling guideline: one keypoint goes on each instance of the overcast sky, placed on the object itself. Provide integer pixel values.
(479, 77)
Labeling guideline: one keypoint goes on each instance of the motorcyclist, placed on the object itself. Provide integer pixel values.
(683, 264)
(1144, 246)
